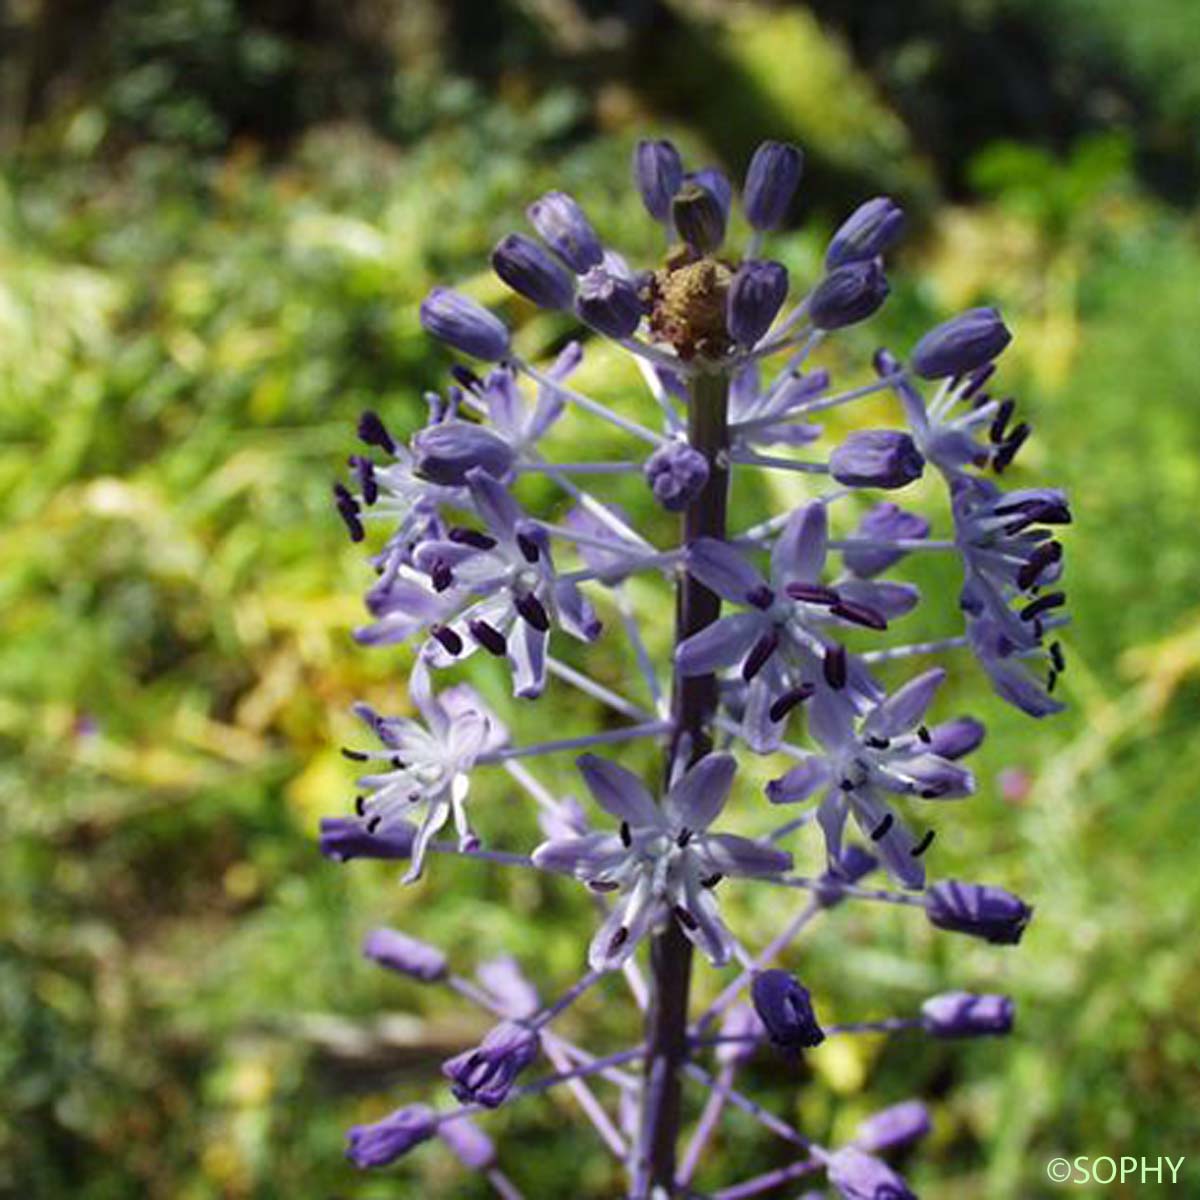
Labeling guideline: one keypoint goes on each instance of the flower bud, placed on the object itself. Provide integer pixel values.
(459, 322)
(699, 217)
(676, 473)
(344, 838)
(859, 1176)
(608, 303)
(756, 295)
(486, 1074)
(530, 271)
(564, 227)
(848, 295)
(382, 1143)
(445, 453)
(657, 172)
(956, 738)
(399, 952)
(785, 1007)
(771, 182)
(469, 1144)
(882, 458)
(965, 1015)
(883, 523)
(984, 912)
(962, 344)
(893, 1127)
(866, 233)
(716, 182)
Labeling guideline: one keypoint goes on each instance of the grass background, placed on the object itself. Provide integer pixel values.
(216, 221)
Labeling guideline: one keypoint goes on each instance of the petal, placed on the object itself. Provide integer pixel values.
(719, 566)
(721, 644)
(706, 931)
(831, 719)
(800, 782)
(575, 612)
(527, 653)
(588, 857)
(696, 799)
(799, 553)
(619, 792)
(634, 913)
(500, 512)
(435, 818)
(467, 737)
(891, 599)
(831, 816)
(729, 854)
(904, 708)
(895, 847)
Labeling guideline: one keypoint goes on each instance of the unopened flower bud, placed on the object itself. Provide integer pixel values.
(564, 227)
(990, 913)
(469, 1144)
(785, 1007)
(859, 1176)
(893, 1127)
(771, 182)
(882, 458)
(965, 1015)
(399, 952)
(459, 322)
(676, 473)
(699, 218)
(962, 344)
(445, 453)
(866, 233)
(530, 271)
(609, 303)
(385, 1141)
(756, 295)
(848, 295)
(486, 1074)
(657, 172)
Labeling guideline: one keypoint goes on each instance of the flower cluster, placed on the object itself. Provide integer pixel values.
(783, 649)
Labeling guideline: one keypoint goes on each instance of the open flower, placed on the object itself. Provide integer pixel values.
(888, 752)
(510, 569)
(664, 863)
(783, 640)
(429, 764)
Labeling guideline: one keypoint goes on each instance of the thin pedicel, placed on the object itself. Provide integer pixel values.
(781, 631)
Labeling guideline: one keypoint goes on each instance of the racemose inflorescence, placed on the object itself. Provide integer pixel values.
(762, 662)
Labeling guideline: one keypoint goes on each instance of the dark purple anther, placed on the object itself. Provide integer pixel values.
(463, 536)
(533, 612)
(834, 667)
(448, 639)
(489, 637)
(785, 703)
(373, 432)
(348, 510)
(760, 654)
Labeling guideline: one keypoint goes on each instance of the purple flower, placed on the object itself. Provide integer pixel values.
(784, 1005)
(486, 1074)
(469, 1144)
(609, 303)
(885, 522)
(444, 453)
(780, 638)
(664, 863)
(460, 322)
(520, 424)
(511, 570)
(676, 474)
(848, 295)
(382, 1143)
(882, 458)
(766, 416)
(771, 182)
(564, 227)
(399, 952)
(531, 272)
(658, 173)
(428, 764)
(864, 762)
(756, 295)
(893, 1127)
(858, 1176)
(344, 838)
(866, 233)
(965, 1015)
(990, 913)
(963, 344)
(699, 217)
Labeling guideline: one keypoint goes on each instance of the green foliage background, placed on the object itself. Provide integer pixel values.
(216, 221)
